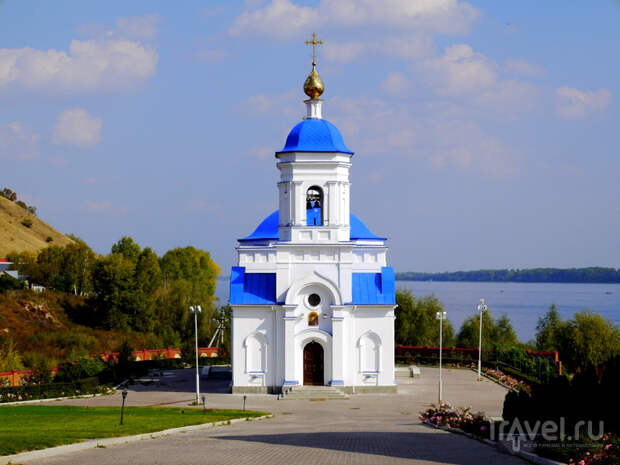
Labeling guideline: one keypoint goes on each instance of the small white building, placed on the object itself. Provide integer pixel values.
(312, 296)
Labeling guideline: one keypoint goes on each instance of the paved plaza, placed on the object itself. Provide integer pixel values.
(364, 429)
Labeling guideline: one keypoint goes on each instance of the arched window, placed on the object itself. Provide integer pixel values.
(314, 206)
(370, 353)
(255, 353)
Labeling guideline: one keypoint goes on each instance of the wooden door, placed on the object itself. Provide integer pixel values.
(313, 364)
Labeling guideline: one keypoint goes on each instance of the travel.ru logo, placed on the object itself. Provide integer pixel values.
(524, 433)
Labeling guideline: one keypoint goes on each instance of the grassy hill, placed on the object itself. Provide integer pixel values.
(46, 325)
(16, 237)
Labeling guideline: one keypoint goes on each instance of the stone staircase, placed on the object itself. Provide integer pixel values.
(312, 392)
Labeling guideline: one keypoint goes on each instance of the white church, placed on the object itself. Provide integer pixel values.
(312, 296)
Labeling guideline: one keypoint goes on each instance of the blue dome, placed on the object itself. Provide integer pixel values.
(268, 230)
(315, 135)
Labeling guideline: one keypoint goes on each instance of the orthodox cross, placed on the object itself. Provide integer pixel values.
(314, 42)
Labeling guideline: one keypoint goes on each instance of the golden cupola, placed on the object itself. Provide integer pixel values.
(313, 87)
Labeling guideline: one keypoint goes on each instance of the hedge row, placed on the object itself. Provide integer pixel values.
(51, 390)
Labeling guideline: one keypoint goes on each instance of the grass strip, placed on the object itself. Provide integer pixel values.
(32, 427)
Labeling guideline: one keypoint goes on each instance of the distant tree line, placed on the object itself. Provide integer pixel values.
(584, 341)
(534, 275)
(12, 196)
(131, 288)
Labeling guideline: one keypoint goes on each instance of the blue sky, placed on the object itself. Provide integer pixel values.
(486, 133)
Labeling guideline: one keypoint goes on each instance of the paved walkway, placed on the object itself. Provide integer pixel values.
(365, 429)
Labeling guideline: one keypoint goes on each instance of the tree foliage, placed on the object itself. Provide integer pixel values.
(132, 288)
(494, 332)
(416, 323)
(584, 341)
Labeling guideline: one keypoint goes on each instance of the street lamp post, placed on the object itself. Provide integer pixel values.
(124, 394)
(481, 309)
(196, 310)
(440, 316)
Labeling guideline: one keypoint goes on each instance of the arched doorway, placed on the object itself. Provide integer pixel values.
(313, 364)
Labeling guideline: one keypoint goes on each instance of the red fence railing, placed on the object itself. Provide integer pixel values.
(15, 377)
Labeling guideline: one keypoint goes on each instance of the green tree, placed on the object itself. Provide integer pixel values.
(592, 340)
(148, 279)
(505, 334)
(78, 264)
(416, 323)
(469, 334)
(113, 284)
(547, 330)
(48, 271)
(10, 359)
(127, 248)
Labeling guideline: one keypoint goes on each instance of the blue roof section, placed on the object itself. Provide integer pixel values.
(268, 230)
(252, 288)
(375, 288)
(315, 135)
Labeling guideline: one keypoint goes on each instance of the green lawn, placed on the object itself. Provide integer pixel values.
(29, 427)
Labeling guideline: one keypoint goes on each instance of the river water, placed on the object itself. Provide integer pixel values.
(524, 303)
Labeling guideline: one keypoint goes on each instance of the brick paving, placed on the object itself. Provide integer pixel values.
(365, 429)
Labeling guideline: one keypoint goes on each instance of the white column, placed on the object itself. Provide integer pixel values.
(289, 345)
(338, 341)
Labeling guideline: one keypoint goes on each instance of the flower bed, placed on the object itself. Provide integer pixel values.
(507, 380)
(605, 451)
(461, 418)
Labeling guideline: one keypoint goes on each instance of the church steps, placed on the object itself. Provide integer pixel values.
(313, 392)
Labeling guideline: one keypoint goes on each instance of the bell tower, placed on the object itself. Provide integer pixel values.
(314, 173)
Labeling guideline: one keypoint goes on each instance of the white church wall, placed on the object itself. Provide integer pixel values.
(254, 346)
(372, 361)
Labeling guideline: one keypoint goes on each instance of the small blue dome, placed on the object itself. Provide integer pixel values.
(268, 230)
(315, 135)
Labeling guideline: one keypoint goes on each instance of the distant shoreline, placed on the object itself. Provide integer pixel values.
(590, 275)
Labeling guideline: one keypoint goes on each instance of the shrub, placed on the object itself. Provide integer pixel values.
(84, 367)
(44, 391)
(27, 222)
(49, 239)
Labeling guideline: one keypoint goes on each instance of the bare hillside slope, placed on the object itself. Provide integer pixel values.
(14, 236)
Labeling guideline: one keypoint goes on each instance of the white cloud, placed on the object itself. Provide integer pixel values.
(574, 103)
(88, 66)
(446, 16)
(395, 84)
(460, 70)
(443, 138)
(280, 18)
(407, 47)
(76, 127)
(283, 18)
(472, 77)
(18, 141)
(524, 68)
